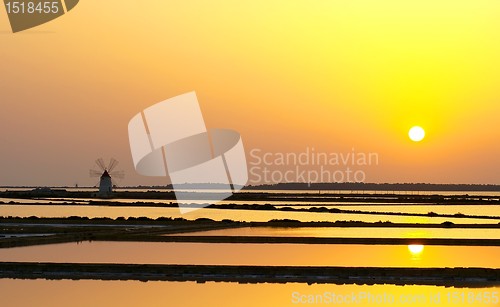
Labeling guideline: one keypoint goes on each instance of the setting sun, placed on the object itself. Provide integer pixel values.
(416, 133)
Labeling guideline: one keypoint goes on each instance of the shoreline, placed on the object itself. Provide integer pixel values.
(449, 277)
(315, 240)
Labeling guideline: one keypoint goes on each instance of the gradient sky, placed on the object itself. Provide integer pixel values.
(333, 75)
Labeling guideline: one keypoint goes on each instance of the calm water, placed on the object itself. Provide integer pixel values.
(483, 210)
(353, 232)
(61, 210)
(477, 210)
(257, 254)
(133, 293)
(186, 294)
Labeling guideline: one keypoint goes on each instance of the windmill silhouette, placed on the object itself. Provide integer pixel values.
(107, 176)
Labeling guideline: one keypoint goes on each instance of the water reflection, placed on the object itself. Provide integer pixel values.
(416, 251)
(187, 294)
(255, 254)
(473, 210)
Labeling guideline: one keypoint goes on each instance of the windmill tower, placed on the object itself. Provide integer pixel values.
(106, 175)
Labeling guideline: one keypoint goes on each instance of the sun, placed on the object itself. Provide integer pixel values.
(415, 249)
(416, 134)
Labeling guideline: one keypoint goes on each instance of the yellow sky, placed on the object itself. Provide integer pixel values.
(333, 75)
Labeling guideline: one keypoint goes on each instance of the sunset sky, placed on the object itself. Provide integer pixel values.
(288, 75)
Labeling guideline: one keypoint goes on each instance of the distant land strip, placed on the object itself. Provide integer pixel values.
(259, 195)
(305, 240)
(362, 186)
(456, 277)
(73, 221)
(344, 186)
(344, 211)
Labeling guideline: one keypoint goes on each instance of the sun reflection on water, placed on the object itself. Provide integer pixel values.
(416, 251)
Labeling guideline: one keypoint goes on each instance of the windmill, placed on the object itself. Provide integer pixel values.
(107, 176)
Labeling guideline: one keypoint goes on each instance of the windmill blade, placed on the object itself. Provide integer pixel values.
(94, 173)
(117, 174)
(112, 164)
(100, 163)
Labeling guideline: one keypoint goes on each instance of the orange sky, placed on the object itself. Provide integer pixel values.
(288, 75)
